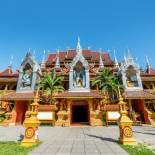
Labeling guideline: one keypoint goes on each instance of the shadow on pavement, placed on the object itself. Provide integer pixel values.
(146, 133)
(103, 138)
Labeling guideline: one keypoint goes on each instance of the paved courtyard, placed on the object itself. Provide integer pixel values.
(79, 140)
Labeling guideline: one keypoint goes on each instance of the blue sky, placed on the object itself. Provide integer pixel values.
(53, 24)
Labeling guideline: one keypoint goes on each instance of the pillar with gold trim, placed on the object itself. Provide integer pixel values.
(125, 125)
(31, 125)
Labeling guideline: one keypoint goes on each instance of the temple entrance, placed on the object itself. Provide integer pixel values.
(21, 108)
(80, 114)
(139, 112)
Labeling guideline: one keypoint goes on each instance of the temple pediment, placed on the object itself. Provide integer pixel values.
(131, 74)
(29, 73)
(79, 72)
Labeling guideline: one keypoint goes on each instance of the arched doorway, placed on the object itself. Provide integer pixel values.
(80, 113)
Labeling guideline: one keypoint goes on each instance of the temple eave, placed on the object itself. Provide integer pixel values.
(68, 94)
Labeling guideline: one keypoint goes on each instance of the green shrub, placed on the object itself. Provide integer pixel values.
(2, 117)
(139, 149)
(14, 148)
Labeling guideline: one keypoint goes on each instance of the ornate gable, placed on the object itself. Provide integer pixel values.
(130, 72)
(79, 58)
(79, 72)
(29, 73)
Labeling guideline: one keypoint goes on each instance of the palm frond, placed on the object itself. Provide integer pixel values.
(51, 83)
(107, 82)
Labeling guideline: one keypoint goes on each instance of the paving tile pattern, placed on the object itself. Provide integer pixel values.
(79, 140)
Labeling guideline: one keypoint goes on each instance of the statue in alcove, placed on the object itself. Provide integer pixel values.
(27, 76)
(79, 75)
(131, 77)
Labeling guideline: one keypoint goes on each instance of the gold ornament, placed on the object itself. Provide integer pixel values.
(127, 131)
(29, 133)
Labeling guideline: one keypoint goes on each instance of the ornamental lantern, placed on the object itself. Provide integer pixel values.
(125, 125)
(31, 125)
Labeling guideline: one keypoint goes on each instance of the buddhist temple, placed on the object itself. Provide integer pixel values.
(80, 102)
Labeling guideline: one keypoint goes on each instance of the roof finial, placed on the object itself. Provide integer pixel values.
(148, 65)
(124, 57)
(34, 54)
(78, 39)
(44, 55)
(28, 53)
(11, 61)
(79, 48)
(129, 56)
(22, 60)
(89, 47)
(116, 62)
(57, 64)
(101, 65)
(43, 60)
(147, 61)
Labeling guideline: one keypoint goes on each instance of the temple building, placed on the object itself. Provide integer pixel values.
(80, 103)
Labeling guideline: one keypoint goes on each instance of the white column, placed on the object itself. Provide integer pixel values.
(71, 80)
(87, 80)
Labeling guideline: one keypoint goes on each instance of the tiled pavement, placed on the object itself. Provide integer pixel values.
(79, 140)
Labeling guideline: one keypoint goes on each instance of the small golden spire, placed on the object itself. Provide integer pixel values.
(122, 104)
(34, 105)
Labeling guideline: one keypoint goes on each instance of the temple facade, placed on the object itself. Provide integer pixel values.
(80, 103)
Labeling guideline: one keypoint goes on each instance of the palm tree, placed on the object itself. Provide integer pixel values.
(108, 82)
(51, 84)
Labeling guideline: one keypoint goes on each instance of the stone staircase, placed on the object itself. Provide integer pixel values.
(151, 116)
(152, 120)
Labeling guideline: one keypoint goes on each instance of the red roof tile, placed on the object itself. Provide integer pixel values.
(91, 94)
(51, 58)
(139, 95)
(106, 57)
(8, 73)
(70, 54)
(14, 96)
(87, 53)
(62, 56)
(148, 78)
(150, 71)
(15, 74)
(95, 56)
